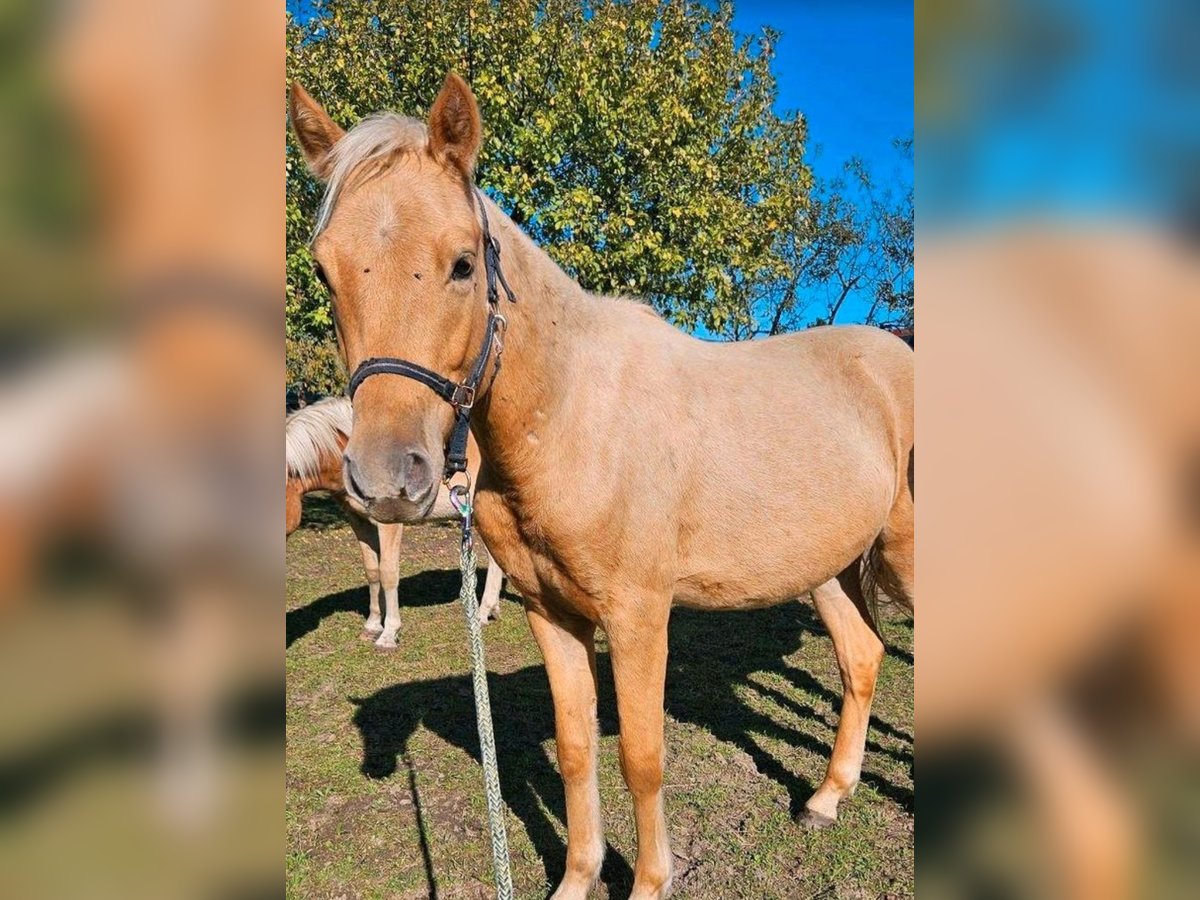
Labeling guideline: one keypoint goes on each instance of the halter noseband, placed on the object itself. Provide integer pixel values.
(460, 396)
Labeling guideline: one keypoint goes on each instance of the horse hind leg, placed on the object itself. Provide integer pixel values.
(846, 605)
(841, 606)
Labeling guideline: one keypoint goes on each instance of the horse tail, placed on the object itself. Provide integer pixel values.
(879, 583)
(879, 586)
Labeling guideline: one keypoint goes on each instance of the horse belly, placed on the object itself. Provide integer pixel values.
(752, 576)
(777, 537)
(747, 577)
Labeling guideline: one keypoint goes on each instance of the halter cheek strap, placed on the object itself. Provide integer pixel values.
(459, 395)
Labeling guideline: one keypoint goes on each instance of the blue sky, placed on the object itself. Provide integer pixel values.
(847, 65)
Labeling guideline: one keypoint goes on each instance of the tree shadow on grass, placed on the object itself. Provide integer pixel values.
(711, 659)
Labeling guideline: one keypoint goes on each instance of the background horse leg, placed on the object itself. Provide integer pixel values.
(390, 539)
(489, 606)
(639, 659)
(859, 650)
(570, 653)
(368, 544)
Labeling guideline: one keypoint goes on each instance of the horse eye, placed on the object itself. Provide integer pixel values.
(462, 269)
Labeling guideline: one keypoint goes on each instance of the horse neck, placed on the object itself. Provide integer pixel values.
(327, 478)
(302, 484)
(541, 342)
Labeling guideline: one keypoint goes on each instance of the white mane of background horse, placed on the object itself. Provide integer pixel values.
(311, 435)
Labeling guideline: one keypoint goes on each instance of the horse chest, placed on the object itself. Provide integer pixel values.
(546, 565)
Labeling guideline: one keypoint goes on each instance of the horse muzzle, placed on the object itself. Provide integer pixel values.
(401, 488)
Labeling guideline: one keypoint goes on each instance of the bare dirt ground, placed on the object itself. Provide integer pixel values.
(384, 790)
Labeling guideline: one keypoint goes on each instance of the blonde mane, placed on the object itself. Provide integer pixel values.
(311, 435)
(374, 140)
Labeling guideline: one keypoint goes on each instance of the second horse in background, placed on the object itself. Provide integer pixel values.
(315, 438)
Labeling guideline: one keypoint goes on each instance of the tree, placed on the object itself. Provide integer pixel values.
(635, 141)
(895, 241)
(854, 238)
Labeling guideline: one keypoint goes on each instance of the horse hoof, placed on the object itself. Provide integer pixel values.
(814, 820)
(367, 636)
(386, 648)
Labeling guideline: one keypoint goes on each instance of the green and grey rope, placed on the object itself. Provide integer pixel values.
(483, 715)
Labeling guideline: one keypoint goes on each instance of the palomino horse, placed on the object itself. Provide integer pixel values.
(315, 438)
(627, 466)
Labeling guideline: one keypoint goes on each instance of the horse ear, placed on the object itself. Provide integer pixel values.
(455, 129)
(316, 132)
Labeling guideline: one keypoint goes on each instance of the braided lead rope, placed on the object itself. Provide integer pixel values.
(483, 714)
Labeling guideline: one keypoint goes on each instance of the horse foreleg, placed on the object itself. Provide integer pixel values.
(390, 539)
(489, 606)
(859, 653)
(368, 545)
(639, 658)
(570, 654)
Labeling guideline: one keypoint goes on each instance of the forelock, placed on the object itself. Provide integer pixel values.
(371, 144)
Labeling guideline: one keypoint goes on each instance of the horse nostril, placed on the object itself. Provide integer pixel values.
(353, 479)
(418, 476)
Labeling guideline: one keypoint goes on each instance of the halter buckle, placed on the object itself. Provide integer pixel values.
(463, 397)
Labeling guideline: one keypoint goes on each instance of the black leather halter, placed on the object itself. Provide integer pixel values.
(460, 396)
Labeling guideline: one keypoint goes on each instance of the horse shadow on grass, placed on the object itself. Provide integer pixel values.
(711, 658)
(429, 588)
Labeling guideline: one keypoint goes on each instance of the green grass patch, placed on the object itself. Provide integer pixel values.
(384, 791)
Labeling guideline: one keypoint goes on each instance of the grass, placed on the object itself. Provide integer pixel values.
(384, 791)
